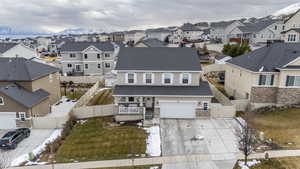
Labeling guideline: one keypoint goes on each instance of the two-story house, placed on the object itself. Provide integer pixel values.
(87, 58)
(266, 76)
(161, 83)
(292, 28)
(27, 90)
(187, 32)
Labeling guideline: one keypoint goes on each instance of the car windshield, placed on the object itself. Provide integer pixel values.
(9, 134)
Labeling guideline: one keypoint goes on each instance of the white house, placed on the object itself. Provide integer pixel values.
(160, 33)
(17, 50)
(292, 29)
(134, 35)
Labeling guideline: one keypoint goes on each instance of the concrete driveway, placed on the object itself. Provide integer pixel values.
(37, 137)
(219, 141)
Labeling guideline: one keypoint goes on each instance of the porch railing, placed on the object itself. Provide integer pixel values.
(131, 110)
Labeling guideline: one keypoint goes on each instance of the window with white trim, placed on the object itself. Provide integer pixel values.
(266, 80)
(86, 66)
(293, 81)
(130, 78)
(148, 78)
(167, 78)
(99, 66)
(98, 55)
(131, 99)
(185, 78)
(85, 56)
(1, 101)
(22, 116)
(72, 55)
(107, 55)
(69, 65)
(107, 65)
(205, 106)
(291, 37)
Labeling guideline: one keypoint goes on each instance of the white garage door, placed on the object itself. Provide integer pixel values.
(7, 120)
(173, 109)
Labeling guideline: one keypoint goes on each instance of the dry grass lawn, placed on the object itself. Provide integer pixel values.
(101, 139)
(218, 85)
(102, 98)
(282, 127)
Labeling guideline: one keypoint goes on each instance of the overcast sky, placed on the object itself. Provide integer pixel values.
(57, 15)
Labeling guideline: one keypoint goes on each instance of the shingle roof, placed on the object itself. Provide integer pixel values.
(21, 69)
(80, 46)
(152, 42)
(221, 24)
(164, 58)
(166, 30)
(292, 29)
(24, 97)
(6, 46)
(256, 27)
(269, 58)
(202, 90)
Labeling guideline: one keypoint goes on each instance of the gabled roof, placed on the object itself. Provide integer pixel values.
(189, 27)
(21, 69)
(269, 58)
(24, 97)
(292, 29)
(202, 90)
(222, 24)
(256, 27)
(6, 46)
(81, 46)
(156, 59)
(163, 30)
(153, 42)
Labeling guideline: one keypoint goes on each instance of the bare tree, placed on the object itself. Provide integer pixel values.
(246, 135)
(4, 159)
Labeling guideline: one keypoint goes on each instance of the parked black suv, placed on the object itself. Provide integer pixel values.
(12, 138)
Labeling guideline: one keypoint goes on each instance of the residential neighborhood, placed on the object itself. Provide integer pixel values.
(91, 85)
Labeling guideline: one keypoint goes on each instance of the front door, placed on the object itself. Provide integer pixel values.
(149, 102)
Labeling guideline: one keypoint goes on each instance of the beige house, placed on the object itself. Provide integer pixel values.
(160, 83)
(27, 90)
(266, 76)
(292, 29)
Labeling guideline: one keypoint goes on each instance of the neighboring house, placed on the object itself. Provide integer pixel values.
(266, 76)
(292, 28)
(17, 50)
(160, 83)
(43, 43)
(151, 42)
(27, 90)
(161, 34)
(217, 30)
(118, 37)
(134, 36)
(202, 25)
(261, 31)
(87, 58)
(187, 32)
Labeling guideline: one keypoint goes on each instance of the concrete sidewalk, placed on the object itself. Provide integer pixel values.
(164, 160)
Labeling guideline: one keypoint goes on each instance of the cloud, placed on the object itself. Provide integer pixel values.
(111, 15)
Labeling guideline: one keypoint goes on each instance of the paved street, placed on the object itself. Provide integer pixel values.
(37, 137)
(218, 141)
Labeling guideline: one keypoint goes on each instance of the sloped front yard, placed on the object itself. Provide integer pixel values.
(282, 126)
(101, 139)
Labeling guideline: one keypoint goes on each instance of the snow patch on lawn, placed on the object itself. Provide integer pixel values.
(153, 141)
(37, 151)
(154, 167)
(249, 164)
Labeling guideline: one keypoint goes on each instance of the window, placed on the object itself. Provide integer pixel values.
(266, 80)
(148, 79)
(98, 55)
(205, 106)
(293, 81)
(85, 56)
(185, 78)
(122, 99)
(291, 38)
(107, 55)
(107, 65)
(275, 27)
(86, 66)
(130, 78)
(22, 116)
(130, 99)
(69, 65)
(262, 35)
(99, 66)
(1, 101)
(72, 55)
(283, 27)
(167, 78)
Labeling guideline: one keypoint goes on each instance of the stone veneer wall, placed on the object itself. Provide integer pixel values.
(263, 95)
(288, 96)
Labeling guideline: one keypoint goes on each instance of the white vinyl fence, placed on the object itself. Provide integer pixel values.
(94, 111)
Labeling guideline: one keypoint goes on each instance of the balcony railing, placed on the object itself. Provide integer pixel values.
(131, 110)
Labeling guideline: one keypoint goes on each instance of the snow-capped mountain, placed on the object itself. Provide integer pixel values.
(287, 11)
(80, 31)
(5, 30)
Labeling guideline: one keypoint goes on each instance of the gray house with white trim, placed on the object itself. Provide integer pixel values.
(87, 58)
(160, 83)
